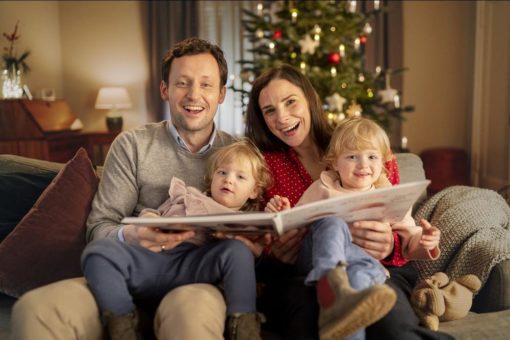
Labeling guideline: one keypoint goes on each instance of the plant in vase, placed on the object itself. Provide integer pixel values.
(13, 67)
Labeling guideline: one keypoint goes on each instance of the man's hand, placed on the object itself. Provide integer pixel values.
(277, 203)
(375, 237)
(153, 238)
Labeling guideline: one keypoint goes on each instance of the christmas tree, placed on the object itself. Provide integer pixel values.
(326, 40)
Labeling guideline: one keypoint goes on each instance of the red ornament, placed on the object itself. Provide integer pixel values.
(334, 58)
(277, 34)
(363, 39)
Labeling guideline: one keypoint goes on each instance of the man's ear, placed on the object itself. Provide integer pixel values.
(223, 93)
(163, 90)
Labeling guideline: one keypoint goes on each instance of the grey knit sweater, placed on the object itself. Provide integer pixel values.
(137, 173)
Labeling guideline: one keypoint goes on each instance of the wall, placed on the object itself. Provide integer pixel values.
(490, 151)
(78, 47)
(39, 31)
(439, 52)
(104, 44)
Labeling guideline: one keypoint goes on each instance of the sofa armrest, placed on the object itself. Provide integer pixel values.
(495, 294)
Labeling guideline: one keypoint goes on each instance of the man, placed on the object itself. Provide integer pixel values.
(136, 175)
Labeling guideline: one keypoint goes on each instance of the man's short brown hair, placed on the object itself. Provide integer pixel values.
(194, 46)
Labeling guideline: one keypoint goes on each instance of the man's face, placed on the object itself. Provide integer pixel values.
(193, 92)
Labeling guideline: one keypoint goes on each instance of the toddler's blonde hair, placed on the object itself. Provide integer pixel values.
(243, 148)
(359, 134)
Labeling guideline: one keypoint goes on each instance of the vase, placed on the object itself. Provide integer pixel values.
(11, 83)
(114, 123)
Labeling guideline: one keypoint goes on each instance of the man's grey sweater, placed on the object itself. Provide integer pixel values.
(137, 174)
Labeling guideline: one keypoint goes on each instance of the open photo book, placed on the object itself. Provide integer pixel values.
(386, 204)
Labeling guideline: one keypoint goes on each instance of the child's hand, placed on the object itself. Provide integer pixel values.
(430, 235)
(277, 203)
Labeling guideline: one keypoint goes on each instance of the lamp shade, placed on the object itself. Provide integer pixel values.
(113, 98)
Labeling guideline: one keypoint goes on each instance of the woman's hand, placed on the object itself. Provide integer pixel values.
(153, 238)
(375, 237)
(286, 247)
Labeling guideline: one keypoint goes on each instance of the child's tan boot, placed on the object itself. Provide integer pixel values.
(123, 327)
(344, 310)
(244, 326)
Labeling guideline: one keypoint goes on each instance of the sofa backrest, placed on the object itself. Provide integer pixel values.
(409, 164)
(411, 169)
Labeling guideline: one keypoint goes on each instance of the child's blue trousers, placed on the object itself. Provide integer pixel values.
(328, 242)
(119, 274)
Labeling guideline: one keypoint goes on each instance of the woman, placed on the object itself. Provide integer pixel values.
(286, 121)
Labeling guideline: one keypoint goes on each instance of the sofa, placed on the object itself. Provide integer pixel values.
(29, 190)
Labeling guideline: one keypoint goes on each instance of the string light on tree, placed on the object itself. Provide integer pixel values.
(294, 14)
(396, 101)
(352, 6)
(357, 42)
(367, 28)
(341, 48)
(403, 144)
(271, 47)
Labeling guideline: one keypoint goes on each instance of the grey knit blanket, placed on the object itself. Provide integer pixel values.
(475, 231)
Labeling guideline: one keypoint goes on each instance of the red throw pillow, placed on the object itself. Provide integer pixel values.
(47, 243)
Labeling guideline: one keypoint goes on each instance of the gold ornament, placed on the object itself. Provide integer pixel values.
(354, 110)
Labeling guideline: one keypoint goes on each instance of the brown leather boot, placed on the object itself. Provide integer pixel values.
(244, 326)
(344, 310)
(123, 327)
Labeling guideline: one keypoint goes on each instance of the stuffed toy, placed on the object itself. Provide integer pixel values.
(438, 298)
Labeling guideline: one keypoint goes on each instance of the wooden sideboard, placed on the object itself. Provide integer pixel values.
(43, 130)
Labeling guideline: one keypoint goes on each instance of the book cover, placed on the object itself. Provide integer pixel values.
(386, 204)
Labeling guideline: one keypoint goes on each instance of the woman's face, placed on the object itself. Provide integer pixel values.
(285, 111)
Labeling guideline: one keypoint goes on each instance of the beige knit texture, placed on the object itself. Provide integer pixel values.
(475, 231)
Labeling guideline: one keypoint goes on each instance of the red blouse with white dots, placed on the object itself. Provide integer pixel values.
(290, 179)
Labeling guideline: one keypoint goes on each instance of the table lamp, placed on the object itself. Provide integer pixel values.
(113, 99)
